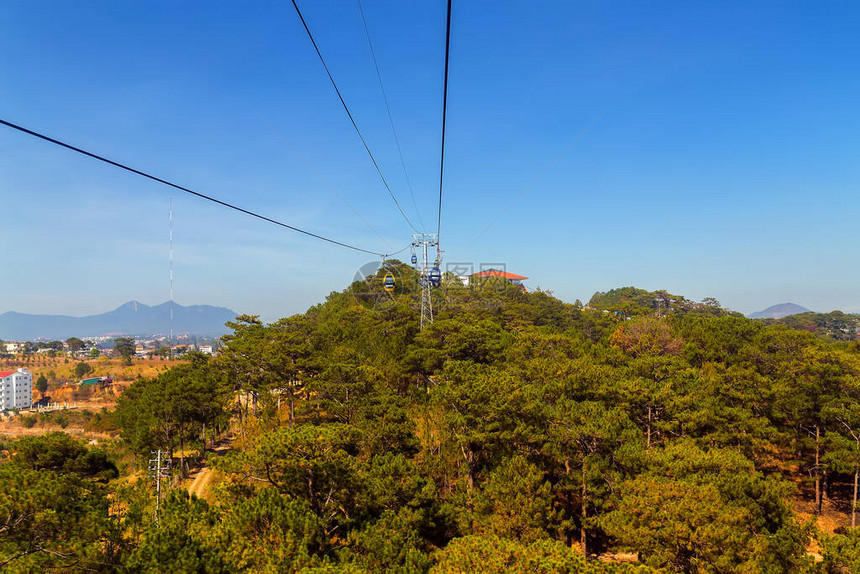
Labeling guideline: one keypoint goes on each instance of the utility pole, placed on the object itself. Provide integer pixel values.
(159, 467)
(423, 241)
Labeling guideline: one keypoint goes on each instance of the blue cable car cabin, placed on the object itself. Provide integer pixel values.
(414, 259)
(388, 282)
(435, 277)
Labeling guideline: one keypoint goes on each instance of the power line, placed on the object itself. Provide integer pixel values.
(390, 117)
(444, 117)
(181, 188)
(322, 179)
(351, 119)
(399, 251)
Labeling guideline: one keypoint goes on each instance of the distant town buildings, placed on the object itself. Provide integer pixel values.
(16, 389)
(94, 347)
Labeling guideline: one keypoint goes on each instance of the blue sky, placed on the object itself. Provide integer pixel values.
(721, 160)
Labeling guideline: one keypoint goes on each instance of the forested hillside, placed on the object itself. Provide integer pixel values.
(835, 325)
(516, 433)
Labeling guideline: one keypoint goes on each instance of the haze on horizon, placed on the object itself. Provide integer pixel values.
(720, 161)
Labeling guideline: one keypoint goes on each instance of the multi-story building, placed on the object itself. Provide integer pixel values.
(16, 389)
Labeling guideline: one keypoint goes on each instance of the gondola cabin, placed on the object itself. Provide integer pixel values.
(388, 282)
(435, 277)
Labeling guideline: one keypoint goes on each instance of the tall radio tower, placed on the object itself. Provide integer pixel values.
(170, 220)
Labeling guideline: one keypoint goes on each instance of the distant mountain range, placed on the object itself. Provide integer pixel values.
(132, 318)
(778, 311)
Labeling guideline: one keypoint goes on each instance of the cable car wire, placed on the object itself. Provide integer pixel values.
(181, 188)
(351, 119)
(444, 118)
(322, 179)
(390, 117)
(387, 255)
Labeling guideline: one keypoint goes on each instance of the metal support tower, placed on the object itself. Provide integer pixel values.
(159, 468)
(423, 241)
(170, 337)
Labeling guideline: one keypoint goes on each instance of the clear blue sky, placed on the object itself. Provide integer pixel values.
(724, 162)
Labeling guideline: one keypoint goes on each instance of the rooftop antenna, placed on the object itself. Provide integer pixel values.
(170, 337)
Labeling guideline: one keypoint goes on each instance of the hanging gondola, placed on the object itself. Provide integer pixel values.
(388, 282)
(435, 277)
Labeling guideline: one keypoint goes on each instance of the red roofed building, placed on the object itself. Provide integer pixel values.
(16, 389)
(513, 278)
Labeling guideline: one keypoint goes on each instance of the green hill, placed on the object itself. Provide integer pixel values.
(834, 325)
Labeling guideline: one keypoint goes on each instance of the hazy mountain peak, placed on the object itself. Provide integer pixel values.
(132, 318)
(779, 311)
(132, 305)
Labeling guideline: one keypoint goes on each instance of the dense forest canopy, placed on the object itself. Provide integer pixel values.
(835, 325)
(516, 433)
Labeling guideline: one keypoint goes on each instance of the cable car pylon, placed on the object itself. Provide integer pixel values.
(431, 276)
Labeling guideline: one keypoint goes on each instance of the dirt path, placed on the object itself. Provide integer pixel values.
(200, 483)
(200, 479)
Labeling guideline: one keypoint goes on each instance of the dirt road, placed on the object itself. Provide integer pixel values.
(200, 479)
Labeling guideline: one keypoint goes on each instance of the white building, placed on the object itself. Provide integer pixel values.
(16, 389)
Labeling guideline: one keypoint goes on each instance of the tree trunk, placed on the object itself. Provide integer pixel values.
(569, 535)
(181, 455)
(244, 400)
(817, 471)
(854, 500)
(292, 409)
(582, 531)
(311, 497)
(470, 466)
(648, 443)
(348, 408)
